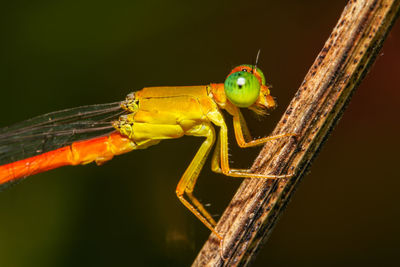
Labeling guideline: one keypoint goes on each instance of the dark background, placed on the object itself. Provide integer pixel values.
(61, 54)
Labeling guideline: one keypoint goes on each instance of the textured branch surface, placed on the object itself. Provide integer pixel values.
(318, 104)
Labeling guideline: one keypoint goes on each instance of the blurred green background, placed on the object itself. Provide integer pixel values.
(61, 54)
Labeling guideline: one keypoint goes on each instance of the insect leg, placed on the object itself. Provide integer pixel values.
(188, 181)
(223, 158)
(242, 133)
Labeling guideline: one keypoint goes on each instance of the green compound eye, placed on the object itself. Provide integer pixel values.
(242, 88)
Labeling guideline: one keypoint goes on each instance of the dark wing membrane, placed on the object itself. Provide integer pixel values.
(56, 129)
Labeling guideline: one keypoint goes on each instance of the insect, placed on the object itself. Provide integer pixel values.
(96, 133)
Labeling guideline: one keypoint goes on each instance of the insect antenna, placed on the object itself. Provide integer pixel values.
(255, 64)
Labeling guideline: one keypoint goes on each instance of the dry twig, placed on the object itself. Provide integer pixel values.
(317, 106)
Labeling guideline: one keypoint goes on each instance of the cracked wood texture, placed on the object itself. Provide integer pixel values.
(315, 109)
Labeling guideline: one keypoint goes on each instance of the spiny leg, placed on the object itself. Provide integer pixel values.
(242, 134)
(240, 126)
(220, 159)
(189, 178)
